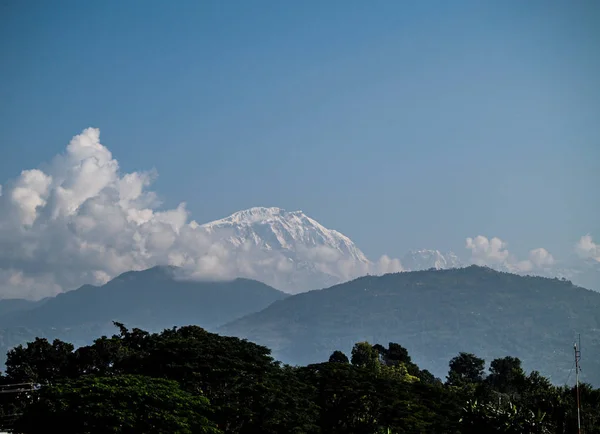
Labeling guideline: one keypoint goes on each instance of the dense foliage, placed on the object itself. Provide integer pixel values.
(187, 380)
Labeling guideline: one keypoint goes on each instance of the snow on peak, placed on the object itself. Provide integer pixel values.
(251, 215)
(426, 259)
(288, 249)
(272, 228)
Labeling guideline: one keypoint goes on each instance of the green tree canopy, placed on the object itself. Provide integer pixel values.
(466, 368)
(365, 356)
(121, 404)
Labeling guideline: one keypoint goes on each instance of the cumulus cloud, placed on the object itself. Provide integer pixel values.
(387, 265)
(80, 220)
(487, 252)
(30, 193)
(541, 258)
(494, 253)
(586, 248)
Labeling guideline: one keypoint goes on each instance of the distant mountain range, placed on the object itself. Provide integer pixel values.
(435, 314)
(295, 253)
(152, 299)
(157, 297)
(416, 260)
(292, 252)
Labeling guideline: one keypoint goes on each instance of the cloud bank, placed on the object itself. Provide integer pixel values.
(81, 221)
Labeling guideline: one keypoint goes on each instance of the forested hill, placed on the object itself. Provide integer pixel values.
(436, 313)
(153, 299)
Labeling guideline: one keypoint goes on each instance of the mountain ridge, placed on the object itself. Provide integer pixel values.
(424, 259)
(314, 256)
(157, 291)
(435, 314)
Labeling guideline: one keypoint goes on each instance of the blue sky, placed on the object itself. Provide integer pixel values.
(402, 124)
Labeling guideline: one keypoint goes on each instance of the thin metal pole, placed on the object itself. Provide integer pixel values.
(577, 356)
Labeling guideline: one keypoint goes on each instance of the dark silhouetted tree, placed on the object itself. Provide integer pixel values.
(465, 369)
(338, 357)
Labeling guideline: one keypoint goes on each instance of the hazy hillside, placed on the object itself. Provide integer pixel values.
(436, 314)
(153, 299)
(11, 305)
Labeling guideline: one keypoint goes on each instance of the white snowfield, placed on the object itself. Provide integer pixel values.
(290, 250)
(277, 229)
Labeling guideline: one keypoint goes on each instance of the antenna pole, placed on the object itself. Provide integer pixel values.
(577, 358)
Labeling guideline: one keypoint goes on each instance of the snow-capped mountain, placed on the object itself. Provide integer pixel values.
(278, 229)
(426, 259)
(294, 252)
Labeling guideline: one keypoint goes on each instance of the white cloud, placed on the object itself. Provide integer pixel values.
(541, 258)
(586, 248)
(387, 265)
(30, 193)
(487, 252)
(494, 253)
(82, 221)
(15, 284)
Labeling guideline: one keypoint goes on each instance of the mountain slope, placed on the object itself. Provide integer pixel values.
(295, 252)
(11, 305)
(436, 314)
(153, 298)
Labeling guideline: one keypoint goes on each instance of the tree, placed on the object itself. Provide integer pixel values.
(100, 357)
(347, 395)
(466, 368)
(39, 361)
(480, 417)
(506, 375)
(365, 356)
(427, 377)
(395, 354)
(338, 357)
(121, 404)
(137, 381)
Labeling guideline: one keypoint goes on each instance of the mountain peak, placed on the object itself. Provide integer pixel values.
(425, 259)
(308, 253)
(276, 228)
(254, 215)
